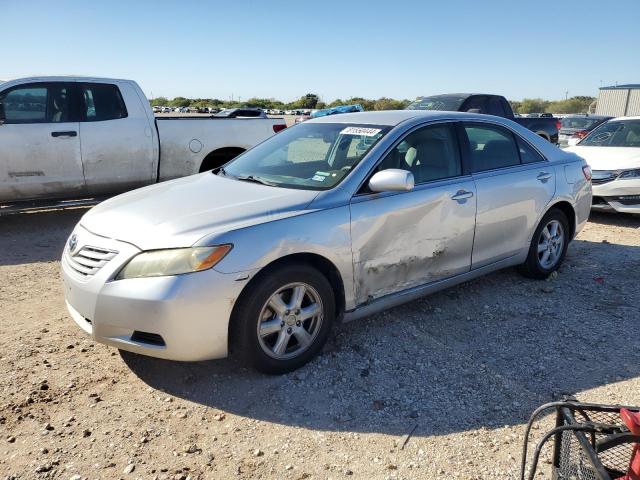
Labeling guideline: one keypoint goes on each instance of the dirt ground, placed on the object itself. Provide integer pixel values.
(464, 367)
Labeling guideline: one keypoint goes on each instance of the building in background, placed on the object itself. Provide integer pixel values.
(619, 100)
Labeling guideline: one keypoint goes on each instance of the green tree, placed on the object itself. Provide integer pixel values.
(160, 101)
(180, 102)
(571, 105)
(533, 105)
(385, 103)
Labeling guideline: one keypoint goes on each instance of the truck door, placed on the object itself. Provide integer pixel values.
(39, 142)
(117, 143)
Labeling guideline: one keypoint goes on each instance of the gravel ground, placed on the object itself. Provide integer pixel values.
(462, 369)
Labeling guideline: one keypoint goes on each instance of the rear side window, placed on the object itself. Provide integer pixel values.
(102, 102)
(495, 107)
(527, 153)
(476, 104)
(491, 147)
(38, 103)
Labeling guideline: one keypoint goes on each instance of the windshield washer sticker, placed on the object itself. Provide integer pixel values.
(318, 178)
(367, 132)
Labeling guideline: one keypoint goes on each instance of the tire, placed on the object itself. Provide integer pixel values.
(278, 336)
(541, 263)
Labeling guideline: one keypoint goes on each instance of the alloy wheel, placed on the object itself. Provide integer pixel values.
(550, 244)
(290, 321)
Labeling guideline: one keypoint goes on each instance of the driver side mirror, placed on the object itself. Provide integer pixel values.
(392, 180)
(3, 117)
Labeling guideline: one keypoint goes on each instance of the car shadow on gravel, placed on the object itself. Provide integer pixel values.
(482, 354)
(36, 237)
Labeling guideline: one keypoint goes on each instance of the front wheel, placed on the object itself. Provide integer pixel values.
(285, 319)
(548, 246)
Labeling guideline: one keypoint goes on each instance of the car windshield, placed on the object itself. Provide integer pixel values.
(582, 123)
(312, 156)
(449, 103)
(624, 133)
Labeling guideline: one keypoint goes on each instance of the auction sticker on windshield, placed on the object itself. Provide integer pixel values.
(367, 132)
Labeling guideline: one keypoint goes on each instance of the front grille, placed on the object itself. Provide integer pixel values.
(88, 260)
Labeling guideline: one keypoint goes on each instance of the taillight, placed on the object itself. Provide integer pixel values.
(586, 171)
(581, 134)
(279, 127)
(558, 124)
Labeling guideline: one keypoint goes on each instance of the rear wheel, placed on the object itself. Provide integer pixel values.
(548, 246)
(285, 319)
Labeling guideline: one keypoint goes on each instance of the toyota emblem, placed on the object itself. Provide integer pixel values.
(73, 242)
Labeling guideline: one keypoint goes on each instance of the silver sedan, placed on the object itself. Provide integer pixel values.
(330, 220)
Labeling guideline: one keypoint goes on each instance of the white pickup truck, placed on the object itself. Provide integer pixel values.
(78, 137)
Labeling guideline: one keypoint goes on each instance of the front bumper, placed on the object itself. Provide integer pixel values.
(182, 317)
(620, 195)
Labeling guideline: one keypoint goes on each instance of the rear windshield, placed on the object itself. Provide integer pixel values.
(625, 133)
(449, 103)
(582, 123)
(310, 156)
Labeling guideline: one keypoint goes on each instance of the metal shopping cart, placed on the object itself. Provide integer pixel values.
(591, 442)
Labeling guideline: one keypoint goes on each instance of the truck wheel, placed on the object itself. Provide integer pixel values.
(548, 246)
(285, 320)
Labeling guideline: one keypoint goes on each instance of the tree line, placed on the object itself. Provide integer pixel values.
(579, 104)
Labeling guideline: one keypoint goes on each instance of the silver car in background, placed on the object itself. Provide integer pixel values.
(333, 219)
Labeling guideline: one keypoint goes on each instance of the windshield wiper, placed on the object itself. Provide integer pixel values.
(220, 170)
(251, 178)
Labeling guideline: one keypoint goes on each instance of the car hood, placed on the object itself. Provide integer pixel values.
(608, 158)
(180, 212)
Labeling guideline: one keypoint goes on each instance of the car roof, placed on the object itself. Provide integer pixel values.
(618, 119)
(584, 115)
(63, 78)
(395, 117)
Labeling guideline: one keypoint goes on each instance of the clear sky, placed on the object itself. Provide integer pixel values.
(337, 49)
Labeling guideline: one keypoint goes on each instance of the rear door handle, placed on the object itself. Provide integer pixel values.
(543, 176)
(69, 133)
(462, 195)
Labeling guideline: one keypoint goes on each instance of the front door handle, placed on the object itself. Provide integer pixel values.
(69, 133)
(462, 195)
(543, 176)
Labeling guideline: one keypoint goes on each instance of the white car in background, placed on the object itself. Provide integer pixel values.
(612, 150)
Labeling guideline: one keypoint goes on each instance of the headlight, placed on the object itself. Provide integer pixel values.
(630, 174)
(157, 263)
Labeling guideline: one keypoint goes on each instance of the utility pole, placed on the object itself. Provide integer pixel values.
(566, 94)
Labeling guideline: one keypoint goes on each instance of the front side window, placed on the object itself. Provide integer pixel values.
(102, 102)
(491, 147)
(625, 133)
(312, 156)
(38, 104)
(430, 153)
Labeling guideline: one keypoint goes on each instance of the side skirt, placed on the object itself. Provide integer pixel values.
(410, 294)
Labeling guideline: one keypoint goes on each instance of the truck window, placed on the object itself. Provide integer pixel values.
(494, 107)
(491, 147)
(38, 103)
(102, 102)
(476, 103)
